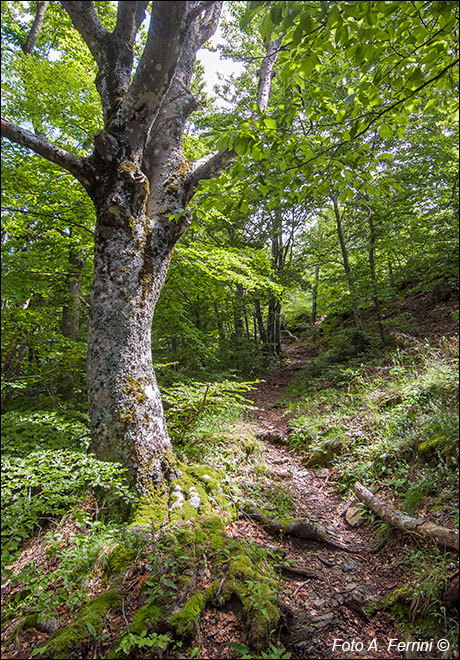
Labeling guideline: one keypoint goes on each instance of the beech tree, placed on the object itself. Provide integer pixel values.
(140, 185)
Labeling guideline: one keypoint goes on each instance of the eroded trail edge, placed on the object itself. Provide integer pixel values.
(328, 592)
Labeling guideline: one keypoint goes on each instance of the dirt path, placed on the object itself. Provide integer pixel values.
(326, 607)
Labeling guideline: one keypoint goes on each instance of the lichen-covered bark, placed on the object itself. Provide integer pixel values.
(132, 253)
(140, 197)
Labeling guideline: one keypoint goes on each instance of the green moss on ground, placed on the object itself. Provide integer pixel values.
(147, 617)
(186, 619)
(397, 602)
(119, 559)
(62, 644)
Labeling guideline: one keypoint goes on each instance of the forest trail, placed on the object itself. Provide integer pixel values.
(328, 605)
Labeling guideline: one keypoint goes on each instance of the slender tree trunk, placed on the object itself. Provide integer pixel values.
(270, 321)
(35, 29)
(314, 297)
(70, 321)
(260, 322)
(274, 325)
(375, 297)
(346, 265)
(246, 325)
(277, 328)
(220, 325)
(238, 312)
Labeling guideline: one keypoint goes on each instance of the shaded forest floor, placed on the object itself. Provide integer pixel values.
(325, 597)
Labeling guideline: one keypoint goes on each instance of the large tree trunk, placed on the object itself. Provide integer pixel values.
(132, 254)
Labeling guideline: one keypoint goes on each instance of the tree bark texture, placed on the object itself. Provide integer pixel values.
(35, 29)
(260, 321)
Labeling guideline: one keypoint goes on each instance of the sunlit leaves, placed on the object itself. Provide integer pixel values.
(249, 268)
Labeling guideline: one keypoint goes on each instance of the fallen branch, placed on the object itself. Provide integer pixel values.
(444, 536)
(299, 527)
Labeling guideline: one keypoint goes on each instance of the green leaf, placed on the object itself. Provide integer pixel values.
(169, 583)
(270, 123)
(91, 629)
(385, 131)
(350, 99)
(240, 648)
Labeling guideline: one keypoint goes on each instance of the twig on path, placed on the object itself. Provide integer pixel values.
(304, 584)
(324, 484)
(300, 571)
(299, 527)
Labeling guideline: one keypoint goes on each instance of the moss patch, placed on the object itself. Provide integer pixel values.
(397, 602)
(62, 644)
(146, 617)
(119, 559)
(186, 619)
(152, 509)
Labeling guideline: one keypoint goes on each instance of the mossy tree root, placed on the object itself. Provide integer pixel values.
(299, 527)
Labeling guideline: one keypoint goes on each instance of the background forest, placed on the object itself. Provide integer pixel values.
(332, 235)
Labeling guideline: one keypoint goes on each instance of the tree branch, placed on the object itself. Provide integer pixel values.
(86, 21)
(210, 21)
(157, 63)
(376, 117)
(207, 168)
(443, 535)
(129, 18)
(266, 73)
(201, 7)
(77, 166)
(35, 29)
(52, 216)
(213, 166)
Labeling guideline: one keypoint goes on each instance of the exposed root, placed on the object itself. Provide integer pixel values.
(299, 527)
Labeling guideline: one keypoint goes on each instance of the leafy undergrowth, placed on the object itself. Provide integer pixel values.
(79, 584)
(390, 422)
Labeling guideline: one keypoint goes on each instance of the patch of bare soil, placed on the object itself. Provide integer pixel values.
(432, 313)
